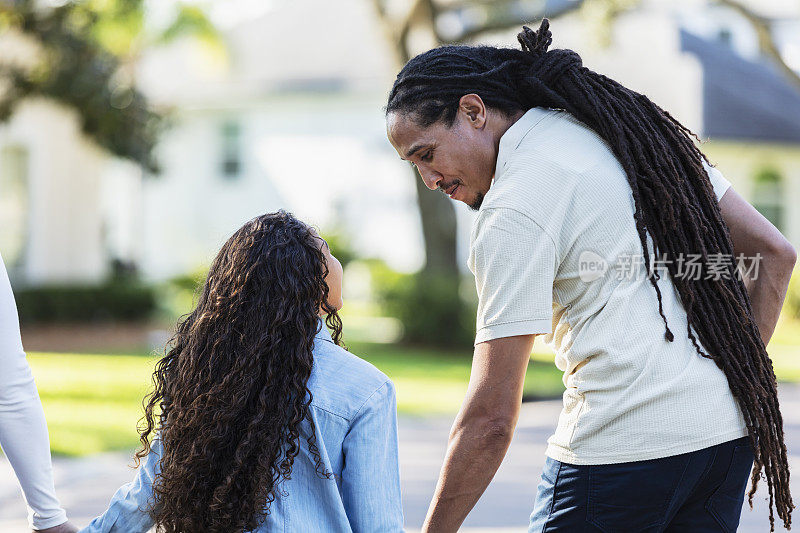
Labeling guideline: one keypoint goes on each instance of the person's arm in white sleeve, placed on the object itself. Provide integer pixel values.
(514, 261)
(719, 183)
(371, 473)
(23, 430)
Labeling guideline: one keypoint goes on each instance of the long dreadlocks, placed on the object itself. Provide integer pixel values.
(674, 203)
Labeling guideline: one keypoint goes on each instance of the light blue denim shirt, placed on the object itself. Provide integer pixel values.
(355, 416)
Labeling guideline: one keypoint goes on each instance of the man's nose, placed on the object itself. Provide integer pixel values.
(430, 177)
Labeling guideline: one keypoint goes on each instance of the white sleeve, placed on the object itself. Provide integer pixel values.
(514, 262)
(718, 181)
(23, 430)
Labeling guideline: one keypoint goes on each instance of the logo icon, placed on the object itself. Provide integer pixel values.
(591, 266)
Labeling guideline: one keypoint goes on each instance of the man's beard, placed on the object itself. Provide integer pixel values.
(476, 203)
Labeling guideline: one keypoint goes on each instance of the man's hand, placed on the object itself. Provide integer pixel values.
(753, 234)
(482, 430)
(66, 527)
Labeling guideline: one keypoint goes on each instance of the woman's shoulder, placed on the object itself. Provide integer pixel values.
(342, 383)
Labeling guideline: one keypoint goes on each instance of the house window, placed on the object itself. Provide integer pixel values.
(231, 140)
(725, 36)
(13, 206)
(768, 195)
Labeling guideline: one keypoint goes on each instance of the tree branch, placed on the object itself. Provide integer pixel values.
(399, 38)
(433, 11)
(766, 40)
(417, 13)
(504, 23)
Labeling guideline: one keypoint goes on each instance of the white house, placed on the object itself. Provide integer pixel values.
(293, 119)
(51, 217)
(299, 112)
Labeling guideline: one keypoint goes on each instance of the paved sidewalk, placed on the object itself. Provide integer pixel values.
(85, 485)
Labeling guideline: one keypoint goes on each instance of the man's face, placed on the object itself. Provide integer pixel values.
(458, 160)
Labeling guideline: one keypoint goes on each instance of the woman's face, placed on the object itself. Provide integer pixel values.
(334, 278)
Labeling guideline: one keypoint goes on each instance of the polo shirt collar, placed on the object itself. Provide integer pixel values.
(513, 136)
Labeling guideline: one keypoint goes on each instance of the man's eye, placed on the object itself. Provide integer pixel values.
(427, 156)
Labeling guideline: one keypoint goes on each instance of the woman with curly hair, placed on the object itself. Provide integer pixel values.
(260, 420)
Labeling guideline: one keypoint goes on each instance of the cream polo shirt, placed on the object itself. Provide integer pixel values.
(553, 251)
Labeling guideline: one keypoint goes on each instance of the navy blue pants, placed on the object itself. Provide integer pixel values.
(695, 492)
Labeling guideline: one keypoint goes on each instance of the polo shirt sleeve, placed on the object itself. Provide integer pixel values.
(514, 262)
(718, 181)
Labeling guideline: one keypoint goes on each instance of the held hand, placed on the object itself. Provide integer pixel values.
(66, 527)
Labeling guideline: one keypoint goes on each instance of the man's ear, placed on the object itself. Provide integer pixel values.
(473, 109)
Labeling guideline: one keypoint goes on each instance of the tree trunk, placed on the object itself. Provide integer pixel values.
(438, 219)
(436, 212)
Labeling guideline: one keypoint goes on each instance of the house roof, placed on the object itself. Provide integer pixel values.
(742, 99)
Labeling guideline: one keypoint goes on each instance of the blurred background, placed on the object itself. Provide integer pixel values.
(137, 135)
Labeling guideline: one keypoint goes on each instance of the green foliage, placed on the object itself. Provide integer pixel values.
(340, 246)
(768, 175)
(85, 59)
(428, 305)
(178, 296)
(116, 25)
(191, 21)
(189, 282)
(75, 69)
(114, 300)
(792, 302)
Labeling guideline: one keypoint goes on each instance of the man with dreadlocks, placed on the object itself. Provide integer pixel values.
(670, 396)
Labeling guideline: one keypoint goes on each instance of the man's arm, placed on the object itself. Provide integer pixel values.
(482, 430)
(751, 233)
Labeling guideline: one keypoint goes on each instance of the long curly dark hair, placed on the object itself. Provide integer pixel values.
(674, 203)
(230, 392)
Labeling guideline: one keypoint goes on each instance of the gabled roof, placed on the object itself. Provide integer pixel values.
(742, 99)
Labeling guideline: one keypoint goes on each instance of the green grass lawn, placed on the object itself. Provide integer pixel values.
(93, 402)
(434, 382)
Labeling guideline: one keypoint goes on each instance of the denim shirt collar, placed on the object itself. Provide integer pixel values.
(322, 332)
(513, 136)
